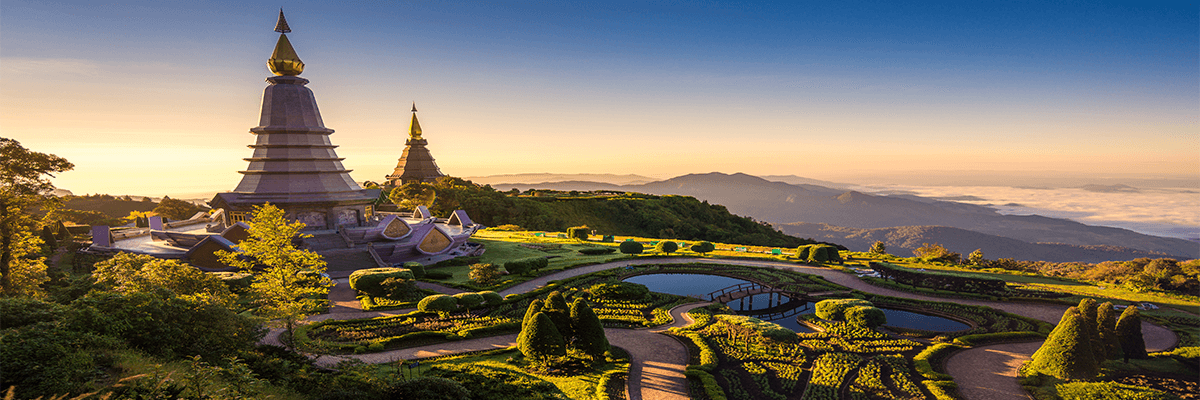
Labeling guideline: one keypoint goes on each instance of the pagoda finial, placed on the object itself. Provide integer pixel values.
(282, 26)
(284, 60)
(414, 132)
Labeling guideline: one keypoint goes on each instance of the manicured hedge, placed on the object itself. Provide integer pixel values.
(766, 329)
(368, 280)
(630, 247)
(619, 291)
(933, 355)
(596, 251)
(835, 309)
(711, 388)
(524, 265)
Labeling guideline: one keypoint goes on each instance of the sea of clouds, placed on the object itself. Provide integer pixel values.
(1169, 212)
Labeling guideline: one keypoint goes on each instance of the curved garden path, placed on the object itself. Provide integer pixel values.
(658, 361)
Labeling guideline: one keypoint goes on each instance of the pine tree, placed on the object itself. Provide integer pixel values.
(589, 332)
(541, 340)
(1067, 353)
(556, 308)
(1129, 333)
(1106, 323)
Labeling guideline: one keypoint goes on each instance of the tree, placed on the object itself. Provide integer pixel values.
(24, 184)
(976, 258)
(589, 332)
(878, 248)
(413, 194)
(703, 247)
(540, 340)
(484, 274)
(559, 312)
(176, 209)
(631, 247)
(283, 286)
(1067, 353)
(1087, 311)
(937, 252)
(131, 273)
(666, 246)
(1129, 333)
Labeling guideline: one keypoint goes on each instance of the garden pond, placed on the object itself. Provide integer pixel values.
(775, 307)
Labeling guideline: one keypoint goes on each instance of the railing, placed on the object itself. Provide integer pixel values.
(749, 288)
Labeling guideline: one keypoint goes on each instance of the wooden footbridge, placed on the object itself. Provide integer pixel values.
(742, 290)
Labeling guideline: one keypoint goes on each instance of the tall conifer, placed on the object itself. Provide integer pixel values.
(1129, 333)
(1067, 354)
(589, 332)
(1106, 323)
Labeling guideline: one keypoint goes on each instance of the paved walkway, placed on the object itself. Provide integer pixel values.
(656, 370)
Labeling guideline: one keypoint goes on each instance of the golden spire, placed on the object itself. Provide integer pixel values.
(414, 133)
(284, 60)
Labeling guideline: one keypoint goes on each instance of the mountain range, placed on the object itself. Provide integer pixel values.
(857, 219)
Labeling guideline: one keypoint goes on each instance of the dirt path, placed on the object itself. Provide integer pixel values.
(990, 372)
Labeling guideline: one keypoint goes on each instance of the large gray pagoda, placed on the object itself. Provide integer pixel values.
(416, 163)
(294, 166)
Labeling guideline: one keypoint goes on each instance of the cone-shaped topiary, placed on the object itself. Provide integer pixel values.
(559, 312)
(1087, 311)
(1106, 324)
(1129, 333)
(535, 307)
(589, 332)
(1067, 353)
(540, 339)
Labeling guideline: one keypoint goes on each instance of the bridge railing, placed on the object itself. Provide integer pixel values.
(741, 287)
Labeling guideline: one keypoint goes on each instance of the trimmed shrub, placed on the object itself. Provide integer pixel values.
(535, 307)
(468, 300)
(595, 251)
(703, 247)
(1067, 352)
(589, 332)
(438, 303)
(579, 232)
(768, 330)
(399, 289)
(835, 309)
(867, 316)
(619, 291)
(1087, 311)
(1129, 333)
(559, 312)
(368, 280)
(540, 340)
(418, 270)
(711, 388)
(1106, 324)
(524, 265)
(666, 246)
(802, 252)
(491, 298)
(818, 253)
(631, 247)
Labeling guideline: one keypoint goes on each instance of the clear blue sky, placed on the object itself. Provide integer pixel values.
(655, 88)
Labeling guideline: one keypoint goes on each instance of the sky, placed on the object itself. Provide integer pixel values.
(157, 97)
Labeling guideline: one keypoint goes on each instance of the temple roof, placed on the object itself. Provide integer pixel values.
(416, 164)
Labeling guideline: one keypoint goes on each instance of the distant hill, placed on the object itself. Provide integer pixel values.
(901, 241)
(112, 207)
(782, 203)
(548, 177)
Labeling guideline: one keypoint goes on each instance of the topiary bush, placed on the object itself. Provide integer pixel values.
(438, 303)
(631, 247)
(491, 298)
(666, 246)
(540, 340)
(1129, 333)
(468, 300)
(835, 309)
(619, 291)
(866, 316)
(438, 275)
(525, 265)
(1067, 352)
(589, 332)
(418, 270)
(579, 232)
(595, 251)
(369, 280)
(703, 247)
